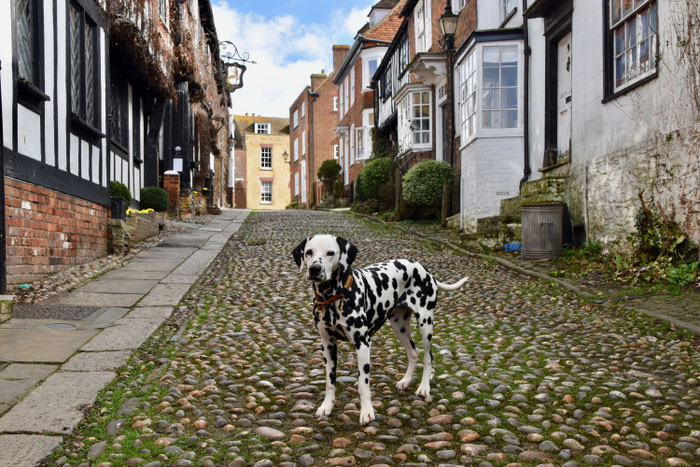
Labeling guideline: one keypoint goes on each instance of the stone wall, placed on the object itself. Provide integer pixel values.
(48, 231)
(603, 193)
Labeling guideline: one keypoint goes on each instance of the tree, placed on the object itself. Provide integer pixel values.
(328, 172)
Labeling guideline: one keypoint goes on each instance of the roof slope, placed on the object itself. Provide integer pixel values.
(245, 124)
(386, 28)
(385, 4)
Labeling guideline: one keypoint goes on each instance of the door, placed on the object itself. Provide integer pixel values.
(564, 94)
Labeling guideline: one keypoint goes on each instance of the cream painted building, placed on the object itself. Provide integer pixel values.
(262, 174)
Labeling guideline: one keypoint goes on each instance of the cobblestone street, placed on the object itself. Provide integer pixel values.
(524, 372)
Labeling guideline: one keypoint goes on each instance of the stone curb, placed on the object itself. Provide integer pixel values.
(504, 262)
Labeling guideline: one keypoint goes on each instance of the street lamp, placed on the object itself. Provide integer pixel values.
(285, 156)
(448, 27)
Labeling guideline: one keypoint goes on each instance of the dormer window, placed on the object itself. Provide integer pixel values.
(262, 128)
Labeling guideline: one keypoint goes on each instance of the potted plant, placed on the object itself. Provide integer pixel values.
(120, 199)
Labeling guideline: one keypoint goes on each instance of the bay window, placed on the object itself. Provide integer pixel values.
(414, 104)
(633, 29)
(489, 90)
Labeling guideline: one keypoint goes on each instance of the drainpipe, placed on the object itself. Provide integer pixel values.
(526, 103)
(312, 150)
(3, 255)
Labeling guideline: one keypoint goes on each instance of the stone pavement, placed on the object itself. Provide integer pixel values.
(526, 372)
(53, 369)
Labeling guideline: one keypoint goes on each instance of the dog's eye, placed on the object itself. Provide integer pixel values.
(309, 252)
(331, 253)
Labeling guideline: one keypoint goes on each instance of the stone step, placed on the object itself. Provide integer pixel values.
(510, 207)
(544, 190)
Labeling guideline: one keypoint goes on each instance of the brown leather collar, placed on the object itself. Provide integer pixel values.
(322, 304)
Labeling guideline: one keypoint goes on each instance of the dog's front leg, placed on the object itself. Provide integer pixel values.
(363, 366)
(330, 356)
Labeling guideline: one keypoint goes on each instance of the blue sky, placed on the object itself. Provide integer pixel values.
(289, 40)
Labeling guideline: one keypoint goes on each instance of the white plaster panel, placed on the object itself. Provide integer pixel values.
(85, 159)
(6, 72)
(49, 146)
(103, 83)
(62, 89)
(74, 154)
(537, 96)
(95, 164)
(29, 132)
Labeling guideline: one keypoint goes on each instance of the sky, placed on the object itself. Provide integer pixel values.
(289, 40)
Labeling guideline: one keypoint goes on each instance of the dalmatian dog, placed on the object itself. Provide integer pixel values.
(352, 304)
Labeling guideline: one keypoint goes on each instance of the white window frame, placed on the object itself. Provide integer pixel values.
(363, 136)
(296, 184)
(353, 155)
(479, 130)
(303, 109)
(262, 128)
(423, 26)
(458, 5)
(304, 181)
(352, 85)
(265, 192)
(632, 51)
(405, 110)
(296, 149)
(347, 97)
(336, 151)
(341, 155)
(507, 8)
(335, 103)
(340, 98)
(501, 88)
(303, 143)
(163, 7)
(468, 78)
(295, 118)
(265, 155)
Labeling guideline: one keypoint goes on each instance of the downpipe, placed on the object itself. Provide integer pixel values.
(526, 103)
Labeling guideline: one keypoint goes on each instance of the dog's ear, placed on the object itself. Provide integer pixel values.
(348, 252)
(298, 254)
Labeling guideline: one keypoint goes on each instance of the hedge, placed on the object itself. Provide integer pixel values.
(155, 198)
(375, 174)
(422, 184)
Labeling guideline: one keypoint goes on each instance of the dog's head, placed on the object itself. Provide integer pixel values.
(323, 255)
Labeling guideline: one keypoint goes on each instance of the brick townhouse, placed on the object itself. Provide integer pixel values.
(354, 70)
(412, 84)
(73, 118)
(312, 119)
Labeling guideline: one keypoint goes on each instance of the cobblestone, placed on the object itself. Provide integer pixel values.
(523, 371)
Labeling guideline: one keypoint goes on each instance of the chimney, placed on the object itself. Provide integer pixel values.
(339, 54)
(316, 80)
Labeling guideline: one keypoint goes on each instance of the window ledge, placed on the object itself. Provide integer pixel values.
(630, 87)
(31, 94)
(265, 202)
(265, 168)
(119, 146)
(84, 127)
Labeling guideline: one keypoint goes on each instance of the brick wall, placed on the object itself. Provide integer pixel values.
(48, 231)
(296, 133)
(324, 122)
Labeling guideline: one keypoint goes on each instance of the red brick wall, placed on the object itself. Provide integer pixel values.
(296, 133)
(171, 184)
(48, 231)
(324, 122)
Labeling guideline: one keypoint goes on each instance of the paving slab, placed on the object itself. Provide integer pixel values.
(149, 265)
(27, 371)
(40, 344)
(96, 361)
(56, 405)
(197, 263)
(119, 286)
(180, 279)
(124, 273)
(106, 318)
(152, 313)
(125, 334)
(165, 294)
(26, 450)
(101, 299)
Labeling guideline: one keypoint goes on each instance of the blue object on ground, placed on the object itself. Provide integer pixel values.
(513, 246)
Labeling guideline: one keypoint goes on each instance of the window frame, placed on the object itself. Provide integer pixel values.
(500, 109)
(262, 128)
(295, 118)
(265, 155)
(347, 97)
(611, 89)
(30, 91)
(303, 143)
(264, 192)
(352, 85)
(80, 120)
(335, 103)
(422, 20)
(404, 108)
(303, 109)
(479, 130)
(119, 90)
(336, 151)
(163, 12)
(296, 149)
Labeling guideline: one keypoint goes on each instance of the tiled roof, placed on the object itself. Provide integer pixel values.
(385, 4)
(245, 124)
(387, 27)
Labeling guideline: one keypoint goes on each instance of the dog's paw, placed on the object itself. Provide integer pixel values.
(424, 392)
(366, 415)
(403, 384)
(324, 410)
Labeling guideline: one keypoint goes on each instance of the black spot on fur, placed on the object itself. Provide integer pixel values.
(366, 368)
(403, 330)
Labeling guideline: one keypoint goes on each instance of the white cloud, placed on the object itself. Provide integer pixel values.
(286, 53)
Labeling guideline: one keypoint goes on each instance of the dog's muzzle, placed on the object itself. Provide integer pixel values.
(315, 272)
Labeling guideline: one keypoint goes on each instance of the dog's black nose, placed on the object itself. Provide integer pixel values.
(314, 270)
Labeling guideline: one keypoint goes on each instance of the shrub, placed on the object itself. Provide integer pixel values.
(119, 190)
(329, 171)
(154, 198)
(375, 174)
(422, 184)
(359, 194)
(338, 189)
(292, 205)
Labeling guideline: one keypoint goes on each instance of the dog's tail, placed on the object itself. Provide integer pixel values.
(454, 286)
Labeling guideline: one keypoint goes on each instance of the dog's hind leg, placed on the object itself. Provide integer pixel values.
(424, 317)
(330, 355)
(401, 324)
(363, 366)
